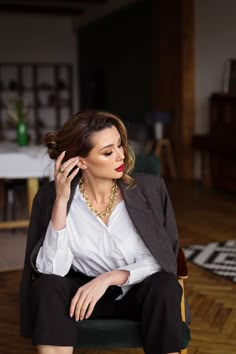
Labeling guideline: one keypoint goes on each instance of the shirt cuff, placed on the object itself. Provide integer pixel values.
(56, 239)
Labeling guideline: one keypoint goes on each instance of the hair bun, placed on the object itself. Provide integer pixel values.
(51, 144)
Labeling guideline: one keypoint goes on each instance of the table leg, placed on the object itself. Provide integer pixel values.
(32, 188)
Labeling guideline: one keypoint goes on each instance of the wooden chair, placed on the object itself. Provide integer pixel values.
(103, 334)
(162, 148)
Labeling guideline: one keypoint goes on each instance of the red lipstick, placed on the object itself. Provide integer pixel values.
(120, 168)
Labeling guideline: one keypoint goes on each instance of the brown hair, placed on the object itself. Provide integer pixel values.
(75, 138)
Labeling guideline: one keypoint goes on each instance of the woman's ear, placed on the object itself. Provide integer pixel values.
(82, 163)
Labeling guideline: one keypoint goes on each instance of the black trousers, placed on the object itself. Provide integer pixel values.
(155, 302)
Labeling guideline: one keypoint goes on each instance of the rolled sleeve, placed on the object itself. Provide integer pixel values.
(144, 264)
(55, 256)
(140, 270)
(55, 239)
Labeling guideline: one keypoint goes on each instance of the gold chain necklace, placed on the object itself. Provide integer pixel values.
(111, 204)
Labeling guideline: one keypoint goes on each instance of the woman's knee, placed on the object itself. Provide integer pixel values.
(163, 283)
(47, 284)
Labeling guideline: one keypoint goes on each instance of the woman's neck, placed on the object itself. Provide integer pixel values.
(97, 189)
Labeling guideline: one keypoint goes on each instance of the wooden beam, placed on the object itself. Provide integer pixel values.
(173, 75)
(188, 80)
(41, 9)
(65, 2)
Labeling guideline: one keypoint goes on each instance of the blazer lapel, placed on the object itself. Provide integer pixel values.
(141, 217)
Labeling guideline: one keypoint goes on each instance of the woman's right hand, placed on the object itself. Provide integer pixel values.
(64, 176)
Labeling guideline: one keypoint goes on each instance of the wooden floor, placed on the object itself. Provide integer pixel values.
(202, 216)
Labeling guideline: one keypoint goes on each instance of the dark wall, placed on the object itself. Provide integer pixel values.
(115, 62)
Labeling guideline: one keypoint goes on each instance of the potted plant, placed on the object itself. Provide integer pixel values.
(18, 114)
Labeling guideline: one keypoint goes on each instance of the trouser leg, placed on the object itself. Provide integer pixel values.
(51, 296)
(161, 314)
(156, 302)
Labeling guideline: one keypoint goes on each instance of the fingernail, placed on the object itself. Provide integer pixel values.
(71, 314)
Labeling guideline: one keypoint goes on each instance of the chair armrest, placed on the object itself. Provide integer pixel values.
(182, 269)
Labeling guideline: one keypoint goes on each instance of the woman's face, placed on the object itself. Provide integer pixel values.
(106, 159)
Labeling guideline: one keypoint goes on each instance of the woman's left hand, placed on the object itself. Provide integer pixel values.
(87, 296)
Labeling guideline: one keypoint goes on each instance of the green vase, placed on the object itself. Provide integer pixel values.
(21, 133)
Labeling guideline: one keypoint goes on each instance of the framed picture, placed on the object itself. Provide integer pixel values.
(229, 84)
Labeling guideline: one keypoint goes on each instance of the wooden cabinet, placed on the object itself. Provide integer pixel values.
(219, 146)
(46, 90)
(222, 115)
(223, 135)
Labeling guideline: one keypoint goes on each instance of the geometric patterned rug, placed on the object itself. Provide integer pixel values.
(217, 257)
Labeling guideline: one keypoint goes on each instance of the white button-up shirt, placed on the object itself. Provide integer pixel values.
(92, 247)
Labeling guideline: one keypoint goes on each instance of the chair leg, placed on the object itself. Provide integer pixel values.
(182, 300)
(181, 281)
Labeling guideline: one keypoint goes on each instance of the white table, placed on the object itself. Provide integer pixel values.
(30, 162)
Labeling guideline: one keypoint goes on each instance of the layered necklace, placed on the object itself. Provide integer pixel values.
(111, 204)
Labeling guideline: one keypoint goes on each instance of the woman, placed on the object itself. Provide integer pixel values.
(102, 243)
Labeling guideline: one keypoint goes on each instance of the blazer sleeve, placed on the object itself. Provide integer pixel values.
(169, 218)
(34, 234)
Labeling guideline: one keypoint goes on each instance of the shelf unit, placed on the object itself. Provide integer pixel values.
(45, 88)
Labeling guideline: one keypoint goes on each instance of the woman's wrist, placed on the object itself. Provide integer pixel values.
(117, 277)
(59, 212)
(60, 202)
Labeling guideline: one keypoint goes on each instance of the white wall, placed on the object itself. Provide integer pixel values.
(215, 43)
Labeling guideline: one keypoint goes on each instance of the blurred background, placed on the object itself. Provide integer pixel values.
(168, 69)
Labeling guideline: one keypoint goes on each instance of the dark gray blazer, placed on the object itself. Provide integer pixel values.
(149, 208)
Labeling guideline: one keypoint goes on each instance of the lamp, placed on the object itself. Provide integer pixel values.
(158, 120)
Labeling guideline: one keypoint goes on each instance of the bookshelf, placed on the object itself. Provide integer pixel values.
(46, 90)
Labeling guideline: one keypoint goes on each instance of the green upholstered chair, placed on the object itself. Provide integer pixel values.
(109, 334)
(104, 334)
(147, 163)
